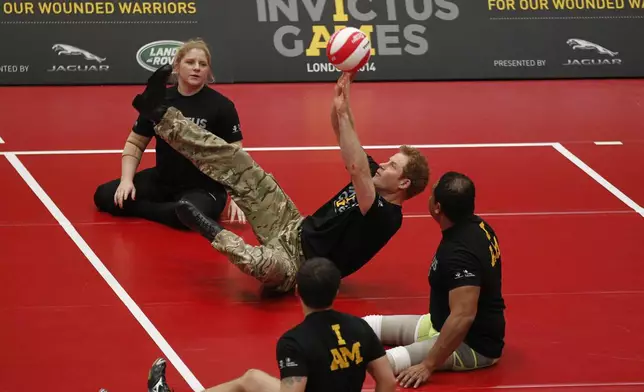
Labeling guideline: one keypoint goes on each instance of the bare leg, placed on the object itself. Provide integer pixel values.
(252, 381)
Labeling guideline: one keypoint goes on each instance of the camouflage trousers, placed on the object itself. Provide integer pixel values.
(273, 216)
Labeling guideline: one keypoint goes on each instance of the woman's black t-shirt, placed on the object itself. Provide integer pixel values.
(210, 110)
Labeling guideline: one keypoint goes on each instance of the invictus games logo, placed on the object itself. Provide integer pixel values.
(87, 60)
(597, 54)
(299, 31)
(156, 54)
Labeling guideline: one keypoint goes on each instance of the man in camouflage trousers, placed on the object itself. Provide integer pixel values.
(274, 218)
(349, 229)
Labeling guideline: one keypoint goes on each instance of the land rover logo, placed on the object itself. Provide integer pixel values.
(156, 54)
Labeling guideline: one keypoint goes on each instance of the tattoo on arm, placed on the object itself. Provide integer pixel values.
(292, 380)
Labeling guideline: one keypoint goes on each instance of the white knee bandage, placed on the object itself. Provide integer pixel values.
(375, 322)
(399, 359)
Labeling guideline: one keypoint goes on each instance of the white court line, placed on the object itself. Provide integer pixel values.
(170, 354)
(535, 213)
(580, 385)
(411, 216)
(547, 386)
(601, 180)
(424, 297)
(1, 141)
(542, 386)
(607, 143)
(300, 148)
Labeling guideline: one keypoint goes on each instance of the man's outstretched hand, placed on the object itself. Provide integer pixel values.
(342, 89)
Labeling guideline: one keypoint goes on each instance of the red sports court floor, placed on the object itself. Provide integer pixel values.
(88, 301)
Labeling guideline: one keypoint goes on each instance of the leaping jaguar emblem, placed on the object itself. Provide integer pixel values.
(581, 44)
(74, 51)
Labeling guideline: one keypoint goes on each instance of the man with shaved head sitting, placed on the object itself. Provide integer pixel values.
(465, 326)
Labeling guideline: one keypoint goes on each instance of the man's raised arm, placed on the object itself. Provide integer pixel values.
(334, 113)
(355, 158)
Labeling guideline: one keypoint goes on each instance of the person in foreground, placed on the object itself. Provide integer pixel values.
(328, 351)
(349, 229)
(465, 327)
(152, 193)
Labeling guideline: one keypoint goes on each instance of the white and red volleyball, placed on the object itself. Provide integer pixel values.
(348, 49)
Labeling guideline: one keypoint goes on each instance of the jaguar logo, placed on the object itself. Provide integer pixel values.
(74, 51)
(581, 44)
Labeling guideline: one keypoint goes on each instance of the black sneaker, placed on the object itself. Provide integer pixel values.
(195, 220)
(151, 103)
(156, 377)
